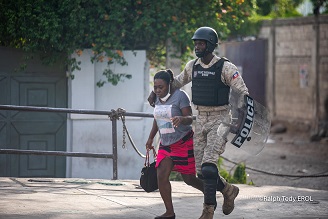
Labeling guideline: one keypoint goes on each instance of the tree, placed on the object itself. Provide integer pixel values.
(107, 27)
(266, 10)
(264, 7)
(317, 4)
(285, 8)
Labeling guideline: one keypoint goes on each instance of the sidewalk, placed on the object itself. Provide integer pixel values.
(54, 198)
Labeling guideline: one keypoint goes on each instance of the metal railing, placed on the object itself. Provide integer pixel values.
(114, 115)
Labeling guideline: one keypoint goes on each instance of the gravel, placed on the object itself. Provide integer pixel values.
(284, 156)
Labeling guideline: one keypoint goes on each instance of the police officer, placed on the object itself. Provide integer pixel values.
(212, 77)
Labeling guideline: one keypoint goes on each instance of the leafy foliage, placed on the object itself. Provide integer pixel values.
(57, 27)
(266, 10)
(285, 8)
(317, 4)
(175, 176)
(239, 176)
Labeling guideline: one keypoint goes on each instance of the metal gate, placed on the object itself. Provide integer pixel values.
(250, 58)
(36, 85)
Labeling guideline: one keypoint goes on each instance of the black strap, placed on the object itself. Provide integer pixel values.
(147, 163)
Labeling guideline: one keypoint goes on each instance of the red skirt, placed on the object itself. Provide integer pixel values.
(181, 153)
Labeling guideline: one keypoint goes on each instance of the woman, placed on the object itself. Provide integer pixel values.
(173, 119)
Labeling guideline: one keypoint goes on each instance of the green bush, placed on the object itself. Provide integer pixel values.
(238, 177)
(175, 176)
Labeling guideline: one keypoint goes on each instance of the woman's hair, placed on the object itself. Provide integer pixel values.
(166, 75)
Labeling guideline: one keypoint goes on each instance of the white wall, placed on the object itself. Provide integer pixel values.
(93, 133)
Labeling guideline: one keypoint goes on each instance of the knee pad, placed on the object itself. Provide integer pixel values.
(210, 174)
(209, 171)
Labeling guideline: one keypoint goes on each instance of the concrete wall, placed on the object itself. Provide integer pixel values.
(297, 82)
(93, 133)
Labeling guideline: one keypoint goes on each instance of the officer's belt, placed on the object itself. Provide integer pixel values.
(210, 113)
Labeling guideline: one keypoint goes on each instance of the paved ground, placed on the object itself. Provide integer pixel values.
(80, 198)
(271, 197)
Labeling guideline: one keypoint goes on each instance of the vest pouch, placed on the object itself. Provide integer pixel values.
(202, 96)
(223, 95)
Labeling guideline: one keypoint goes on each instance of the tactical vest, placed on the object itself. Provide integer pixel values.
(207, 86)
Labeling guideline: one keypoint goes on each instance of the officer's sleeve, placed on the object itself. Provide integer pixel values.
(184, 77)
(231, 77)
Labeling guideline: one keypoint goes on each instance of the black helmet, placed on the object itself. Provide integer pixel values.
(208, 34)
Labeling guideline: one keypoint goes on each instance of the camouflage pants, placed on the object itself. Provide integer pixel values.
(210, 137)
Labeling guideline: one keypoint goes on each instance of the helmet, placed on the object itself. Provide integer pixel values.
(208, 34)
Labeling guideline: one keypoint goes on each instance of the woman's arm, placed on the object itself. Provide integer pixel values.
(185, 119)
(153, 132)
